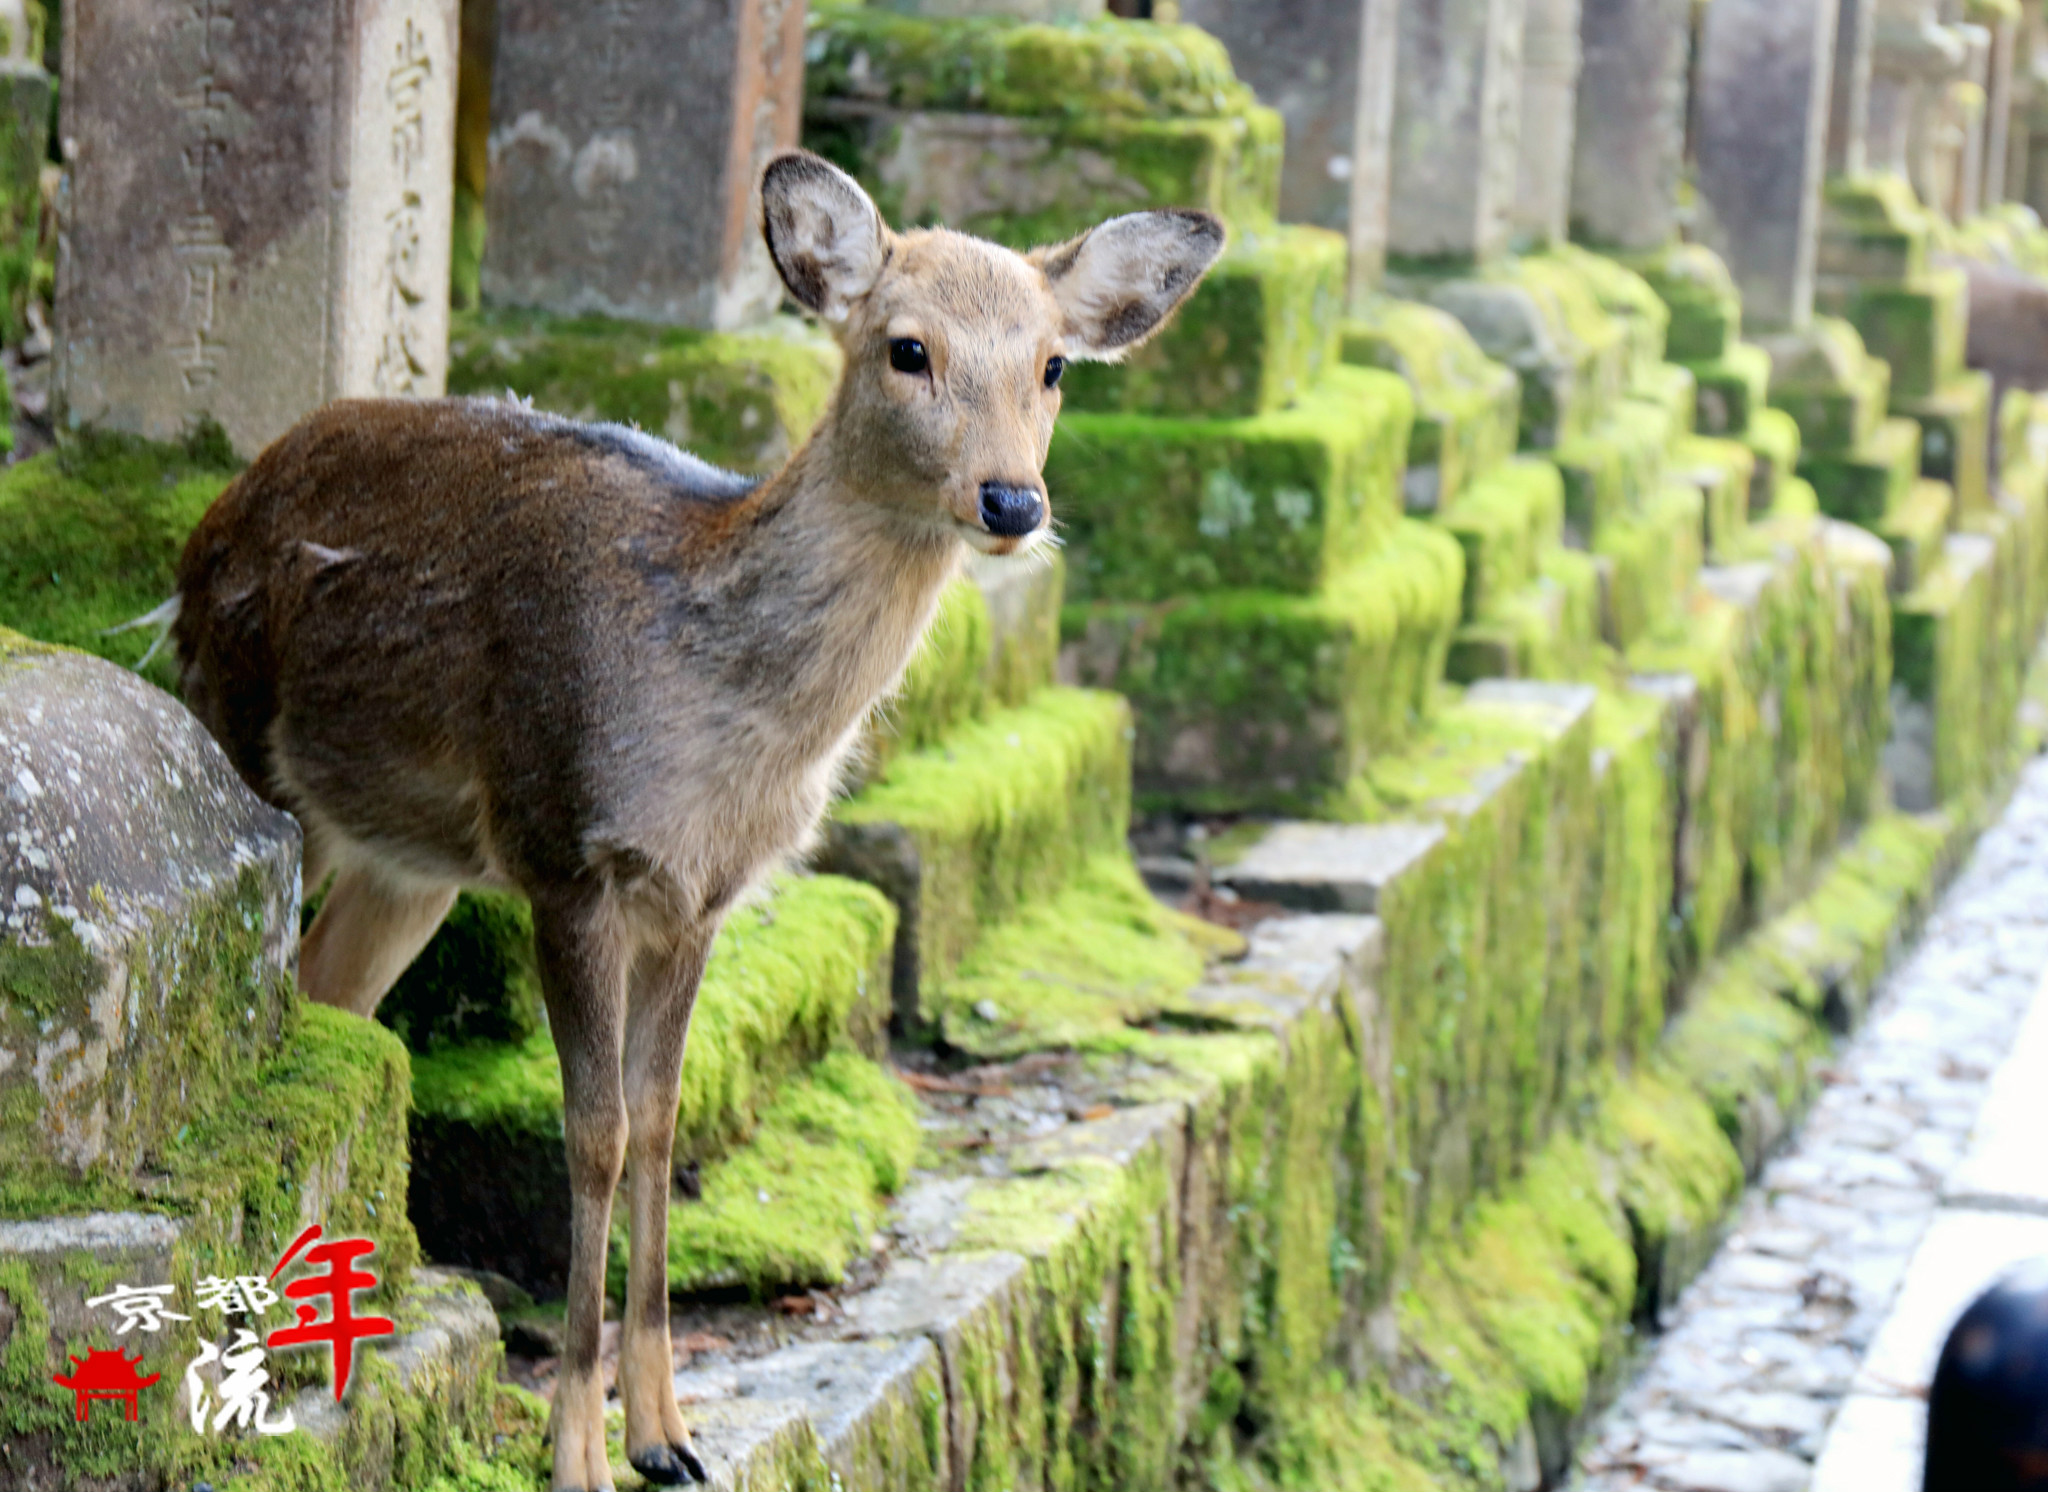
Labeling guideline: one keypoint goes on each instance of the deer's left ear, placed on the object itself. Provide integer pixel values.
(1118, 282)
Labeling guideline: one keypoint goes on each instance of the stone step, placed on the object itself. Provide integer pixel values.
(1648, 559)
(1251, 701)
(1154, 508)
(1917, 326)
(1724, 473)
(1547, 629)
(1873, 229)
(1672, 388)
(742, 400)
(1942, 640)
(1613, 469)
(1706, 310)
(1955, 444)
(1916, 531)
(1733, 389)
(801, 972)
(1255, 337)
(1467, 406)
(1826, 379)
(1506, 522)
(1773, 439)
(960, 835)
(1866, 483)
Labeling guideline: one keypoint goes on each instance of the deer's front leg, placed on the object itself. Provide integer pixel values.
(583, 965)
(664, 990)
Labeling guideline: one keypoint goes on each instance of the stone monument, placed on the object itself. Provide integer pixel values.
(1629, 147)
(1551, 62)
(1457, 107)
(1761, 106)
(626, 139)
(256, 210)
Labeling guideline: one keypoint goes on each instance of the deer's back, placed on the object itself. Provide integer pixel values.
(415, 622)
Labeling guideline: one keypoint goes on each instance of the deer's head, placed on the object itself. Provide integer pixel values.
(954, 345)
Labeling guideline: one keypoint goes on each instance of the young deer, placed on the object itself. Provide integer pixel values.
(471, 644)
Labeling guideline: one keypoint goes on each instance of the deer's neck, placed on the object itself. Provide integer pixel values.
(842, 589)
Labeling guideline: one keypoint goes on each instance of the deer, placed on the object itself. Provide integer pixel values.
(468, 643)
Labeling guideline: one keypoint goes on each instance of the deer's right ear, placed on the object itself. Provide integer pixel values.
(824, 234)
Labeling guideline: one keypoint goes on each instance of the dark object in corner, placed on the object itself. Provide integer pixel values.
(1987, 1414)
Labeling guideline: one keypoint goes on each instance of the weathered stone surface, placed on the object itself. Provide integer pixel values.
(1849, 97)
(1761, 108)
(626, 140)
(150, 906)
(258, 210)
(1329, 867)
(866, 1403)
(1457, 92)
(1335, 98)
(1629, 145)
(1550, 83)
(2006, 1166)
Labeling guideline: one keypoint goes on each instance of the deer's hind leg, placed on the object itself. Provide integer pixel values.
(664, 991)
(371, 926)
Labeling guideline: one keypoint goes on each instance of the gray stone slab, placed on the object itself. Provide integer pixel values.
(1849, 97)
(1457, 107)
(1560, 705)
(863, 1403)
(1628, 149)
(1550, 84)
(2006, 1165)
(1765, 70)
(1329, 867)
(257, 209)
(1875, 1445)
(150, 887)
(627, 140)
(1962, 1252)
(451, 1361)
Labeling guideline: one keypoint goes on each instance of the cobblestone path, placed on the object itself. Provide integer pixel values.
(1739, 1392)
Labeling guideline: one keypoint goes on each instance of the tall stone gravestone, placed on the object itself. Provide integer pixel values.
(626, 139)
(1764, 75)
(1457, 99)
(1628, 151)
(1551, 63)
(1849, 100)
(256, 212)
(1328, 67)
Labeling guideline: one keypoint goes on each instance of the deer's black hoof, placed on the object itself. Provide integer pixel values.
(669, 1465)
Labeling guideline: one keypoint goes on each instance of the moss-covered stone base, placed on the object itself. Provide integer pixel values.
(1955, 437)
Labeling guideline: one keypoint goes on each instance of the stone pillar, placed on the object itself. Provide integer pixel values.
(1550, 84)
(1628, 151)
(1967, 196)
(256, 211)
(1457, 92)
(627, 137)
(1320, 90)
(1765, 71)
(1849, 101)
(1372, 147)
(2005, 37)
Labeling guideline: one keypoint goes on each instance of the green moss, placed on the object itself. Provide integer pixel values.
(741, 400)
(1867, 483)
(797, 974)
(798, 1202)
(1549, 629)
(1076, 968)
(1706, 309)
(1873, 229)
(1916, 326)
(1251, 700)
(1467, 406)
(1773, 438)
(1255, 337)
(90, 536)
(962, 834)
(996, 65)
(1915, 531)
(1731, 389)
(947, 683)
(1955, 437)
(476, 981)
(1629, 297)
(1614, 467)
(1943, 639)
(1724, 471)
(1156, 508)
(1833, 387)
(1628, 933)
(1503, 523)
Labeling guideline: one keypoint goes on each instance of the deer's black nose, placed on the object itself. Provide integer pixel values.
(1010, 512)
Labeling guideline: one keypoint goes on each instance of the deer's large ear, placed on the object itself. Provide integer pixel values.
(824, 234)
(1118, 282)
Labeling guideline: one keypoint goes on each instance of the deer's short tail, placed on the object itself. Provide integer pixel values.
(163, 618)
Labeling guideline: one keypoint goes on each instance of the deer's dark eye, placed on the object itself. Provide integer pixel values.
(1054, 367)
(907, 355)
